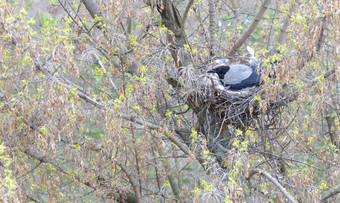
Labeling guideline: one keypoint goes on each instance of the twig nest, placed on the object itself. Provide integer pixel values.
(233, 107)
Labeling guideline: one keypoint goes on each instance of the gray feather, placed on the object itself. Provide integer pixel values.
(237, 73)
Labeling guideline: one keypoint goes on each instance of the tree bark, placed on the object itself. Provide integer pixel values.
(92, 7)
(208, 124)
(212, 26)
(172, 20)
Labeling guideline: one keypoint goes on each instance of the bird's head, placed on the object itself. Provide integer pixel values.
(220, 70)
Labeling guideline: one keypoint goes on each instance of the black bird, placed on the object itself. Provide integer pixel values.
(238, 76)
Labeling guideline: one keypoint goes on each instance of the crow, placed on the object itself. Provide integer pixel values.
(237, 77)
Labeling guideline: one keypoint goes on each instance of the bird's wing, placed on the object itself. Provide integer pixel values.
(246, 77)
(237, 73)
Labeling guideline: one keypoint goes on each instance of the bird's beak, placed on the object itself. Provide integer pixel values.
(211, 71)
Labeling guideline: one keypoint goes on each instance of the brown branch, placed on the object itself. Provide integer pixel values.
(54, 79)
(134, 184)
(323, 33)
(273, 180)
(92, 8)
(125, 197)
(30, 170)
(185, 14)
(174, 186)
(330, 193)
(252, 27)
(43, 159)
(131, 118)
(171, 137)
(31, 198)
(285, 158)
(173, 21)
(212, 26)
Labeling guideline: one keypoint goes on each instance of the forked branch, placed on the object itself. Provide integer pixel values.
(273, 180)
(134, 184)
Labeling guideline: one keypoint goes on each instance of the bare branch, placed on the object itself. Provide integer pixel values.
(92, 7)
(185, 14)
(131, 118)
(30, 170)
(212, 26)
(32, 199)
(273, 180)
(134, 184)
(174, 186)
(81, 94)
(172, 20)
(330, 193)
(252, 27)
(120, 197)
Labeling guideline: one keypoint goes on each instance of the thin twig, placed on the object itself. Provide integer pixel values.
(30, 170)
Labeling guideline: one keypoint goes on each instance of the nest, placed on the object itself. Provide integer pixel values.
(237, 108)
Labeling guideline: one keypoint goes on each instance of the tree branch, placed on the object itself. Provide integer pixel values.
(131, 118)
(273, 180)
(172, 20)
(125, 197)
(212, 26)
(330, 193)
(174, 186)
(30, 170)
(182, 146)
(185, 14)
(31, 198)
(92, 8)
(134, 184)
(252, 27)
